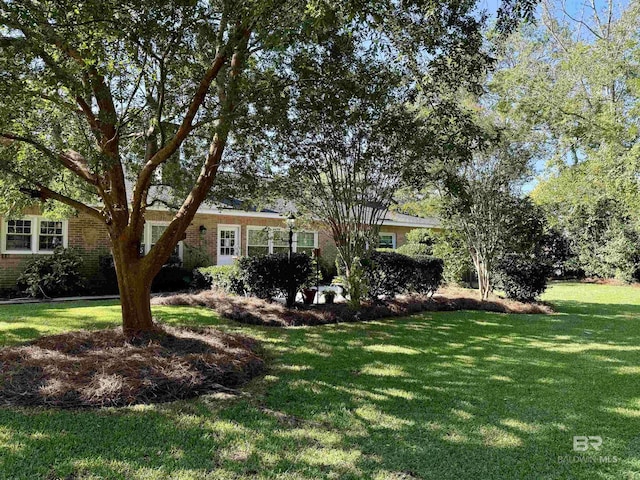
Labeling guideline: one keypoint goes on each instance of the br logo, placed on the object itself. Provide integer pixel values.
(582, 443)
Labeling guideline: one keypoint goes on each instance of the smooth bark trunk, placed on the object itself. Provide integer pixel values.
(134, 285)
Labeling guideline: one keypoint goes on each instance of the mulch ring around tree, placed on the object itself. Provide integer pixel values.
(103, 368)
(255, 311)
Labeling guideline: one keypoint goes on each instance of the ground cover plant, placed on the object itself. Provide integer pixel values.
(448, 395)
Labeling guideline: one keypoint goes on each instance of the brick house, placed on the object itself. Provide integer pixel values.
(216, 235)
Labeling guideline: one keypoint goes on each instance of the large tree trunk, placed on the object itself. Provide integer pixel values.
(134, 284)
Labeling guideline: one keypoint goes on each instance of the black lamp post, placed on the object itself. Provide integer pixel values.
(291, 297)
(291, 223)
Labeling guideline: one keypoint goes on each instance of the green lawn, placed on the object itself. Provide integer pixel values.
(462, 395)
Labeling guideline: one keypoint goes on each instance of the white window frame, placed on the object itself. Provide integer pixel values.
(228, 226)
(393, 239)
(35, 235)
(280, 229)
(146, 237)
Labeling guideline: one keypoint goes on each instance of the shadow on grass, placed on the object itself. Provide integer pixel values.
(444, 395)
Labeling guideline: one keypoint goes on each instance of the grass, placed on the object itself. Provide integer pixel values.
(442, 395)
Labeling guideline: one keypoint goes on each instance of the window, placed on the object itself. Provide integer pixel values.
(51, 235)
(257, 242)
(387, 240)
(262, 241)
(19, 235)
(152, 233)
(305, 242)
(32, 234)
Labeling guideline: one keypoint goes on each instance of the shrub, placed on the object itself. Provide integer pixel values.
(55, 275)
(171, 278)
(267, 276)
(415, 249)
(224, 277)
(420, 236)
(327, 262)
(389, 274)
(522, 277)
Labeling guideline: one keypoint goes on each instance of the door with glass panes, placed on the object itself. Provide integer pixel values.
(228, 244)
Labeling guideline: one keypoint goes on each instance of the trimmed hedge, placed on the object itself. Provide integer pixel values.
(389, 274)
(267, 276)
(522, 277)
(224, 277)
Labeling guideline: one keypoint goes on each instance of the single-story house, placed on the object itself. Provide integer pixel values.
(218, 233)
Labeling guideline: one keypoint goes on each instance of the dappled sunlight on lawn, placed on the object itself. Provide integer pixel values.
(441, 395)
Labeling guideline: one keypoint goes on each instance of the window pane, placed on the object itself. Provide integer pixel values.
(306, 239)
(255, 251)
(156, 233)
(258, 238)
(280, 238)
(386, 241)
(18, 242)
(281, 249)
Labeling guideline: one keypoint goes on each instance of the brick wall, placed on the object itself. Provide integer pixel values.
(89, 238)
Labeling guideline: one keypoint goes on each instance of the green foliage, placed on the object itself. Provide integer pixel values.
(581, 93)
(420, 242)
(224, 277)
(196, 257)
(522, 277)
(55, 275)
(452, 249)
(389, 274)
(327, 260)
(267, 276)
(422, 236)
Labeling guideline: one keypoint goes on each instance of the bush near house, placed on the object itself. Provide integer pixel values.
(268, 276)
(55, 275)
(173, 277)
(223, 277)
(389, 274)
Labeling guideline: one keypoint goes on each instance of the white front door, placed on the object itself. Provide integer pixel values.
(228, 244)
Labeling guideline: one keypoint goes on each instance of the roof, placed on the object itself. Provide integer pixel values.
(278, 209)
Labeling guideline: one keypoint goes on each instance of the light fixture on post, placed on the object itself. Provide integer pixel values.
(291, 294)
(291, 223)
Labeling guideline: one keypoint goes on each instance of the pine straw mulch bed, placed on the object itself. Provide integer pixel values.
(261, 312)
(103, 368)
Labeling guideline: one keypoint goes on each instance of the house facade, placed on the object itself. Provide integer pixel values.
(216, 236)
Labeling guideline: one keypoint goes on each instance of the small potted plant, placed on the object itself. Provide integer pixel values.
(329, 296)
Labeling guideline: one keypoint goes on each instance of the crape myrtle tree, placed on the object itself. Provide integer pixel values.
(102, 94)
(347, 144)
(483, 203)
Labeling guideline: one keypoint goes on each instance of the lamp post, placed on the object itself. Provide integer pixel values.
(291, 297)
(291, 223)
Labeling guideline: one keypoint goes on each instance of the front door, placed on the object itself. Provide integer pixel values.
(228, 244)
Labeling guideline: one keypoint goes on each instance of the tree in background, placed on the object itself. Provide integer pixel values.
(574, 80)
